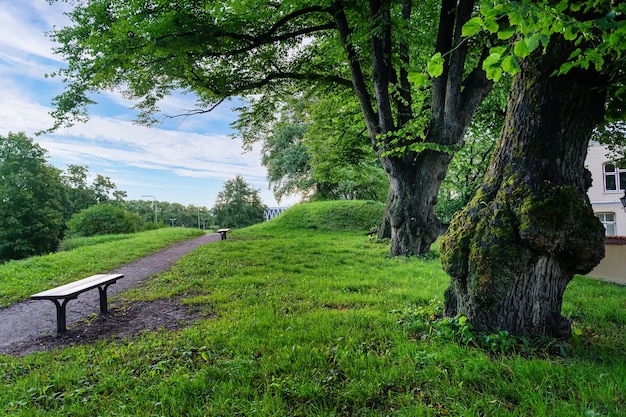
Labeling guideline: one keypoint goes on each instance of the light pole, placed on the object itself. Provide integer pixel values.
(154, 203)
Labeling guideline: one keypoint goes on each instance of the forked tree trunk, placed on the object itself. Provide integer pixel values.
(410, 208)
(513, 250)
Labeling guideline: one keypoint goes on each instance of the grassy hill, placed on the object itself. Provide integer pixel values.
(304, 316)
(323, 216)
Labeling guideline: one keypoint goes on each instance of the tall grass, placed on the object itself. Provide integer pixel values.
(314, 322)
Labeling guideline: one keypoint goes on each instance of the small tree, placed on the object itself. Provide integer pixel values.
(103, 219)
(238, 205)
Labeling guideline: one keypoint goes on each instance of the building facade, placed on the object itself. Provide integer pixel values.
(609, 183)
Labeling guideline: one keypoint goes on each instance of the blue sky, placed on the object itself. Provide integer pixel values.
(183, 161)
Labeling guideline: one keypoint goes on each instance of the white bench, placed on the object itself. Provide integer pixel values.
(223, 233)
(64, 293)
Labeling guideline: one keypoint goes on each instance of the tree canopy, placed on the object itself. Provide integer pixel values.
(266, 49)
(30, 199)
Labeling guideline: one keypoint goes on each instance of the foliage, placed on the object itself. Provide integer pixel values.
(79, 195)
(315, 323)
(596, 29)
(103, 219)
(613, 135)
(30, 199)
(237, 204)
(465, 174)
(233, 49)
(20, 279)
(170, 214)
(310, 152)
(287, 160)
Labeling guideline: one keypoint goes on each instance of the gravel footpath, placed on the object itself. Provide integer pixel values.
(30, 326)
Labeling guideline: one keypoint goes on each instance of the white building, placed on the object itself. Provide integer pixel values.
(609, 183)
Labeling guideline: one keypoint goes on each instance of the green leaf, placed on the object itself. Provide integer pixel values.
(533, 42)
(492, 60)
(435, 65)
(510, 64)
(472, 27)
(569, 34)
(492, 25)
(418, 79)
(520, 49)
(506, 33)
(492, 67)
(500, 50)
(515, 18)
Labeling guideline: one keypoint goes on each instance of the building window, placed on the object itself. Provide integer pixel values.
(614, 177)
(608, 221)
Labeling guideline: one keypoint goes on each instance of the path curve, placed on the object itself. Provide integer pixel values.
(31, 319)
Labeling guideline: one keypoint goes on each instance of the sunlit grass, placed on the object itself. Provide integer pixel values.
(314, 323)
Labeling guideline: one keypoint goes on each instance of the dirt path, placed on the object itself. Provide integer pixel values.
(30, 326)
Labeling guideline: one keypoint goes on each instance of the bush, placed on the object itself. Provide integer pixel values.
(103, 219)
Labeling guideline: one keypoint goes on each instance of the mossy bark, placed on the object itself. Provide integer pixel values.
(512, 251)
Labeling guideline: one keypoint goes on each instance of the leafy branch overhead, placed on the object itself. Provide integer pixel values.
(597, 29)
(216, 50)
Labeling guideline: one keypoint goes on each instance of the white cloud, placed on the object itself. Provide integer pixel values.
(23, 25)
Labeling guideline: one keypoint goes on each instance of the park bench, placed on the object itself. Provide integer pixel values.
(64, 293)
(223, 233)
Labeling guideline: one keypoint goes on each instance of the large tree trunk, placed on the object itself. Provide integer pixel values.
(512, 251)
(410, 211)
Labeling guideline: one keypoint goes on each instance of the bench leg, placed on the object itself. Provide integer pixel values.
(61, 321)
(102, 289)
(223, 235)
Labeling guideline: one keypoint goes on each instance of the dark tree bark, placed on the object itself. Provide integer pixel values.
(513, 250)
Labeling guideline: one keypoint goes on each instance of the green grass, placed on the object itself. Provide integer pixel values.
(319, 321)
(20, 279)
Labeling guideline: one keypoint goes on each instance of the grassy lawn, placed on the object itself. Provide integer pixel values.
(306, 316)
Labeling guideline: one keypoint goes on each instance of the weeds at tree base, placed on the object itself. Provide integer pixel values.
(429, 323)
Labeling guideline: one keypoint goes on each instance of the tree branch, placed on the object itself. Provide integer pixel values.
(358, 79)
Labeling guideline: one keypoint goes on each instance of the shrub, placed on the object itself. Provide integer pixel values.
(103, 219)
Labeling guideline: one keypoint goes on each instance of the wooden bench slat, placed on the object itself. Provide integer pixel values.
(77, 287)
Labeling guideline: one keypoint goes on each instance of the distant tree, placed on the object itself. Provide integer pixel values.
(238, 205)
(465, 174)
(103, 219)
(187, 216)
(78, 194)
(30, 199)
